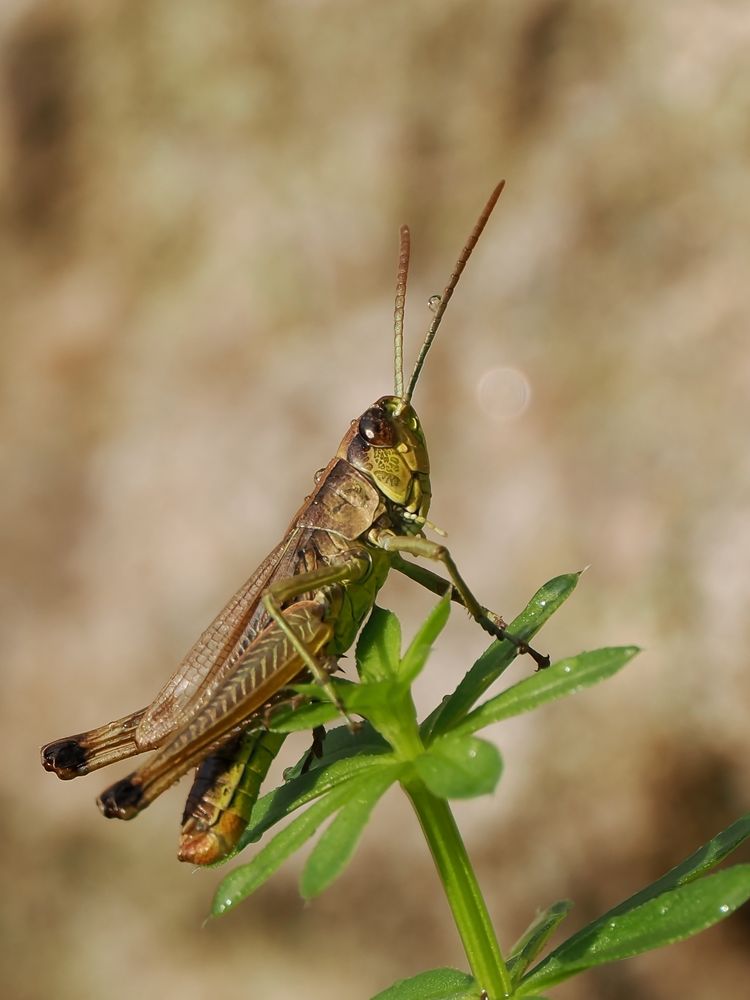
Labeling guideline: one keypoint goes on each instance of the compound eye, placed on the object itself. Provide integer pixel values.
(376, 429)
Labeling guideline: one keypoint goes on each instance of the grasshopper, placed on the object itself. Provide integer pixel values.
(291, 621)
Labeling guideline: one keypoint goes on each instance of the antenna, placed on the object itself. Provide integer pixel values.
(398, 313)
(450, 288)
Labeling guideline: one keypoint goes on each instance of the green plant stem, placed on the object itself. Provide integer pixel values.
(462, 890)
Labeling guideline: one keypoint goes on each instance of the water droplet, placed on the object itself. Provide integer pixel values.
(318, 476)
(434, 301)
(503, 393)
(724, 908)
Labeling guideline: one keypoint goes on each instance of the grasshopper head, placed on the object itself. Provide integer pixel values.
(387, 445)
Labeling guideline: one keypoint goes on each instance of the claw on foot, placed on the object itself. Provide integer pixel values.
(542, 660)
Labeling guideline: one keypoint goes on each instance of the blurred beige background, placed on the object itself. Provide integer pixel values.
(199, 214)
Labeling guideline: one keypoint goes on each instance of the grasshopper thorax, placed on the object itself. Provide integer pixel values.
(387, 445)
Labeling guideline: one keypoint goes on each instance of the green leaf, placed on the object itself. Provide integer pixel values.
(562, 678)
(499, 655)
(422, 643)
(535, 937)
(243, 881)
(379, 646)
(387, 705)
(287, 719)
(460, 768)
(437, 984)
(693, 867)
(317, 694)
(276, 805)
(372, 697)
(336, 846)
(671, 917)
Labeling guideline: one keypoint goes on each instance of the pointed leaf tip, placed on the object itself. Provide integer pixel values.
(421, 645)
